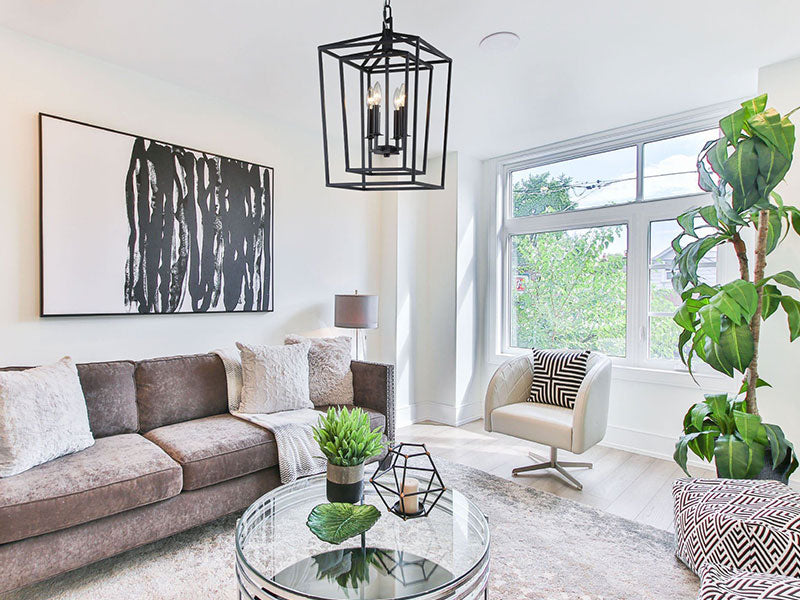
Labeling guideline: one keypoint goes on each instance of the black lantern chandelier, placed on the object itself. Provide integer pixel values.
(385, 139)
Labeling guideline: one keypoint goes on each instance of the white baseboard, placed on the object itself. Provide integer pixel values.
(646, 443)
(447, 414)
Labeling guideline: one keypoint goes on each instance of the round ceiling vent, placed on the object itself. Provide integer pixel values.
(500, 41)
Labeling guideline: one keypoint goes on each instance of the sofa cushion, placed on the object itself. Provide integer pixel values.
(118, 473)
(221, 447)
(217, 448)
(180, 388)
(110, 396)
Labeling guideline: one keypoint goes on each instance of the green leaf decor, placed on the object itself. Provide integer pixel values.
(339, 521)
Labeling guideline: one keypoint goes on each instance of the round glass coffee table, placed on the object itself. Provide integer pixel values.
(443, 555)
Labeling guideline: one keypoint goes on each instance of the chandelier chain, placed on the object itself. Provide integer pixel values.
(387, 13)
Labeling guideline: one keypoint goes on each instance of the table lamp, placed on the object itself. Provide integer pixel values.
(358, 312)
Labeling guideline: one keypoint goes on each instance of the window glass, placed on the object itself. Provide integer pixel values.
(568, 289)
(588, 182)
(670, 166)
(664, 301)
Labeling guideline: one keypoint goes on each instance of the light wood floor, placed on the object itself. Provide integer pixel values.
(630, 485)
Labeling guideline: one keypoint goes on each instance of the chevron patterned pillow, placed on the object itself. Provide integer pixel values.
(557, 376)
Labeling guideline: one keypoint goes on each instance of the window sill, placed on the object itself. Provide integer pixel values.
(706, 381)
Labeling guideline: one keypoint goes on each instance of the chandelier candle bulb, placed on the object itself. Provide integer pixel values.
(374, 115)
(410, 504)
(400, 113)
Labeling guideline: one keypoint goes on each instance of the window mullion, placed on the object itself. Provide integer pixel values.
(638, 293)
(639, 171)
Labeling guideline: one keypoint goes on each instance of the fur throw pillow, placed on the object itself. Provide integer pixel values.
(330, 380)
(42, 416)
(274, 378)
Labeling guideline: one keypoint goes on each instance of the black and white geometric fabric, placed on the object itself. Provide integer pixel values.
(725, 583)
(557, 376)
(752, 525)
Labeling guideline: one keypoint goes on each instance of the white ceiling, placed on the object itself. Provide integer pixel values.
(581, 66)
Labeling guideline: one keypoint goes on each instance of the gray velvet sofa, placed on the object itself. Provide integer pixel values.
(167, 457)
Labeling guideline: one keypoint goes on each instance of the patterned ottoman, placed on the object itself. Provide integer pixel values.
(724, 583)
(751, 525)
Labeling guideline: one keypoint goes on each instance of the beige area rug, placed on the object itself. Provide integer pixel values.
(543, 547)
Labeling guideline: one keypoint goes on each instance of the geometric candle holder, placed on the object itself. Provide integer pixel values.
(395, 476)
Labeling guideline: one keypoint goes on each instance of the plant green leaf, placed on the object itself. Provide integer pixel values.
(698, 413)
(737, 345)
(774, 226)
(770, 300)
(732, 125)
(744, 294)
(786, 278)
(339, 521)
(740, 170)
(759, 383)
(715, 357)
(747, 425)
(777, 443)
(682, 447)
(755, 105)
(777, 132)
(772, 167)
(737, 460)
(727, 306)
(792, 308)
(711, 321)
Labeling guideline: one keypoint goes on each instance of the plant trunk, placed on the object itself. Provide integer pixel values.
(755, 322)
(741, 254)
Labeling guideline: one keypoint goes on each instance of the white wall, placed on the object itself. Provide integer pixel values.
(430, 243)
(326, 241)
(778, 359)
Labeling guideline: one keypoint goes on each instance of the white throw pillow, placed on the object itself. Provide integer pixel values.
(42, 416)
(274, 378)
(330, 380)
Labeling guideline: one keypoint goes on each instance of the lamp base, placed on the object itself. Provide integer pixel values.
(361, 344)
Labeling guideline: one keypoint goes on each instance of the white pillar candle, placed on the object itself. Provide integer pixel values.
(410, 504)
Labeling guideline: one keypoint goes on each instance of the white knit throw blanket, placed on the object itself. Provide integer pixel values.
(298, 453)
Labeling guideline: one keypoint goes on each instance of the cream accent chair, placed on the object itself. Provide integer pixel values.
(508, 411)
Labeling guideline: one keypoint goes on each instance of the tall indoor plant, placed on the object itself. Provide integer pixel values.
(721, 324)
(347, 441)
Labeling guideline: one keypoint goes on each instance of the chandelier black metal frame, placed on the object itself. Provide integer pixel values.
(386, 151)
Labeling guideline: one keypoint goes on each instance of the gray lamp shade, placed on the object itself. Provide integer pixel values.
(356, 311)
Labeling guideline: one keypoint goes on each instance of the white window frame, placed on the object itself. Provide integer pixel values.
(636, 215)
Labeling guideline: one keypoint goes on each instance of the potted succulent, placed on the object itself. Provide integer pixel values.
(346, 440)
(721, 324)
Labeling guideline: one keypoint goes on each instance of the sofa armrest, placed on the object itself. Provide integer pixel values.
(590, 416)
(373, 387)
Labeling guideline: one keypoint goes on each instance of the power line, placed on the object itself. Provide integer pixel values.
(591, 186)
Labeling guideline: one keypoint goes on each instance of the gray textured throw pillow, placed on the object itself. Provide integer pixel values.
(42, 416)
(330, 380)
(274, 378)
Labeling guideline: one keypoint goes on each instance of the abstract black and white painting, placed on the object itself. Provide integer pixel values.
(133, 225)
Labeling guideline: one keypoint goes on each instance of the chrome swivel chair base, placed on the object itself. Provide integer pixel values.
(554, 463)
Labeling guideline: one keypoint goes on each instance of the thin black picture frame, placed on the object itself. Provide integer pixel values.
(42, 314)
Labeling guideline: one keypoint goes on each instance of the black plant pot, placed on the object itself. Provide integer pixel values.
(345, 484)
